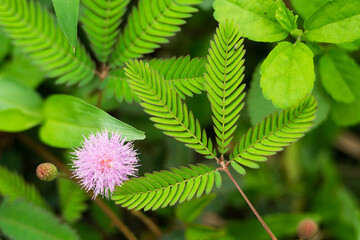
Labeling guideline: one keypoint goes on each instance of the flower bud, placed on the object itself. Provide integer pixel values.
(46, 172)
(307, 229)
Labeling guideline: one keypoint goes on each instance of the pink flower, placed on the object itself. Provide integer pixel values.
(103, 162)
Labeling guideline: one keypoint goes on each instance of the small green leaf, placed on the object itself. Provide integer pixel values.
(197, 232)
(67, 12)
(20, 106)
(306, 7)
(5, 45)
(68, 119)
(346, 114)
(189, 211)
(285, 17)
(340, 76)
(218, 180)
(237, 167)
(335, 21)
(256, 19)
(287, 74)
(20, 220)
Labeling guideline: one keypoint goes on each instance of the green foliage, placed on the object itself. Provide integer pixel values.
(197, 231)
(35, 31)
(22, 220)
(340, 76)
(147, 29)
(67, 12)
(274, 133)
(257, 19)
(286, 17)
(75, 118)
(101, 20)
(5, 45)
(287, 74)
(169, 113)
(20, 106)
(189, 211)
(334, 22)
(14, 187)
(72, 200)
(160, 189)
(185, 75)
(223, 82)
(306, 7)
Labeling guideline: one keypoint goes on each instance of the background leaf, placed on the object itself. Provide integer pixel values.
(202, 232)
(189, 211)
(5, 45)
(68, 119)
(256, 19)
(20, 106)
(67, 12)
(287, 74)
(21, 220)
(346, 114)
(336, 21)
(72, 200)
(306, 7)
(340, 76)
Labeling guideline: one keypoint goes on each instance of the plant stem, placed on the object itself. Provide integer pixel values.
(48, 156)
(225, 169)
(148, 222)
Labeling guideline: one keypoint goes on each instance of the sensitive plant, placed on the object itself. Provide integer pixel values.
(162, 86)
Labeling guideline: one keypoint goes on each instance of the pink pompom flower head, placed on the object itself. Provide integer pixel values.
(104, 161)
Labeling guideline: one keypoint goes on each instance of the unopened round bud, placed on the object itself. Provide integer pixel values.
(307, 228)
(46, 172)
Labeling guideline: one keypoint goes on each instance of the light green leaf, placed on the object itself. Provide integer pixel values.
(346, 114)
(287, 74)
(336, 21)
(189, 211)
(306, 7)
(340, 76)
(22, 220)
(67, 12)
(256, 19)
(202, 232)
(350, 46)
(72, 200)
(285, 17)
(20, 106)
(68, 119)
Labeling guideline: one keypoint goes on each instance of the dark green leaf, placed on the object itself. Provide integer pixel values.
(189, 211)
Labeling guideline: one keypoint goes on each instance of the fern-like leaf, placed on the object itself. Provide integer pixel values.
(160, 189)
(115, 84)
(14, 187)
(185, 75)
(150, 24)
(37, 33)
(161, 101)
(72, 200)
(101, 20)
(223, 82)
(273, 134)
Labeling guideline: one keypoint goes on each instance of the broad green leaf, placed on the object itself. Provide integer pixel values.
(20, 106)
(198, 232)
(249, 229)
(306, 7)
(350, 46)
(287, 74)
(258, 107)
(285, 17)
(72, 200)
(256, 19)
(335, 21)
(68, 119)
(67, 12)
(20, 220)
(5, 45)
(30, 74)
(189, 211)
(340, 76)
(346, 114)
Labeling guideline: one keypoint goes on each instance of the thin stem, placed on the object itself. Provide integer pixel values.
(148, 222)
(48, 156)
(225, 169)
(102, 75)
